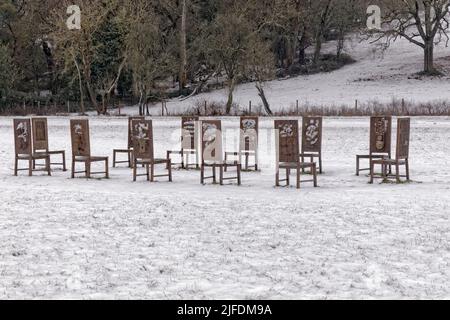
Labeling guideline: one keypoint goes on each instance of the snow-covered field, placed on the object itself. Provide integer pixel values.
(64, 238)
(376, 76)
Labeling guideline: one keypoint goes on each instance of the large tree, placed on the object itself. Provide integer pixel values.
(422, 22)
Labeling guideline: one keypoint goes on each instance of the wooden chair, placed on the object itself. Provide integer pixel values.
(142, 135)
(401, 157)
(312, 140)
(40, 142)
(380, 142)
(81, 149)
(189, 143)
(24, 149)
(212, 154)
(248, 143)
(129, 150)
(287, 142)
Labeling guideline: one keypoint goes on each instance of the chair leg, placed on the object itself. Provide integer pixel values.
(288, 173)
(129, 158)
(246, 161)
(107, 168)
(30, 167)
(372, 168)
(64, 161)
(277, 178)
(16, 164)
(407, 169)
(397, 172)
(298, 176)
(225, 165)
(239, 174)
(202, 174)
(170, 170)
(34, 164)
(314, 169)
(357, 166)
(87, 165)
(320, 164)
(214, 174)
(221, 175)
(114, 158)
(135, 172)
(47, 165)
(303, 160)
(73, 168)
(152, 172)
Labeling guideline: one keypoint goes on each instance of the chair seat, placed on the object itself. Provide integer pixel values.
(388, 161)
(123, 150)
(229, 163)
(90, 159)
(56, 152)
(32, 156)
(368, 156)
(151, 161)
(293, 165)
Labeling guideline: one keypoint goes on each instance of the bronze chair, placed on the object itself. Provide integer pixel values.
(287, 141)
(401, 157)
(129, 150)
(40, 142)
(380, 142)
(248, 143)
(81, 149)
(312, 140)
(24, 149)
(142, 136)
(189, 143)
(212, 154)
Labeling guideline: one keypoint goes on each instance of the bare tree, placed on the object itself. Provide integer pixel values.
(421, 22)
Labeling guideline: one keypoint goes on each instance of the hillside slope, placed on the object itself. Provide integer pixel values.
(376, 76)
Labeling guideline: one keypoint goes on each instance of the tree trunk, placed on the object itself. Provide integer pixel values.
(429, 58)
(262, 95)
(183, 50)
(231, 85)
(318, 49)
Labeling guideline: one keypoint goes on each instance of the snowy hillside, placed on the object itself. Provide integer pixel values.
(377, 75)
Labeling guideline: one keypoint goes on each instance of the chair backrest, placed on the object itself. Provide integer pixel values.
(312, 134)
(189, 133)
(79, 132)
(249, 134)
(22, 136)
(40, 134)
(403, 136)
(287, 141)
(130, 134)
(380, 134)
(211, 141)
(142, 132)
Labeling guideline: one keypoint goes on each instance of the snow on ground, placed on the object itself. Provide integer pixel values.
(64, 238)
(376, 76)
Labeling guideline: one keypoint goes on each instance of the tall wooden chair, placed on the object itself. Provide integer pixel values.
(129, 150)
(40, 142)
(380, 141)
(312, 140)
(248, 143)
(189, 142)
(212, 153)
(81, 149)
(24, 149)
(288, 158)
(142, 135)
(401, 157)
